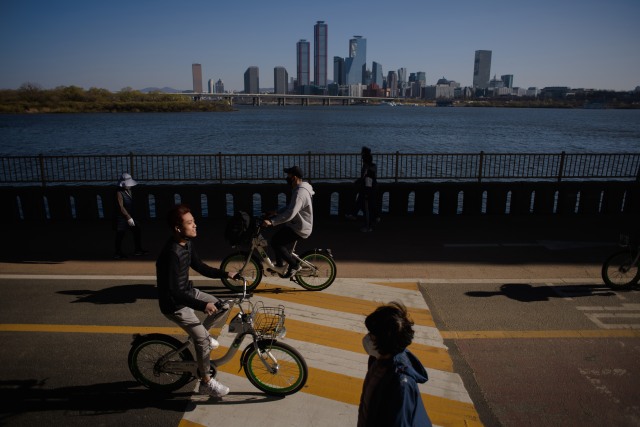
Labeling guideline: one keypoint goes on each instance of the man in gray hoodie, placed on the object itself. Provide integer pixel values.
(298, 216)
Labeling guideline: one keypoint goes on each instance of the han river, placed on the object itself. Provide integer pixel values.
(325, 129)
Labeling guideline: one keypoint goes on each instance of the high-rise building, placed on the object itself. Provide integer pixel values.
(507, 79)
(280, 80)
(392, 84)
(355, 64)
(302, 63)
(210, 86)
(376, 74)
(251, 80)
(482, 69)
(320, 57)
(219, 86)
(196, 71)
(338, 71)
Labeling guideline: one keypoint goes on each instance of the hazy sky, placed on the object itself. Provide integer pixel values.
(141, 43)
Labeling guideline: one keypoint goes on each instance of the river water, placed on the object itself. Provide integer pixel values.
(325, 129)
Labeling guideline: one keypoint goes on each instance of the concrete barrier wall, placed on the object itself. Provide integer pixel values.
(425, 199)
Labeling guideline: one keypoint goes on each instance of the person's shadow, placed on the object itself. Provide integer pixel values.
(524, 292)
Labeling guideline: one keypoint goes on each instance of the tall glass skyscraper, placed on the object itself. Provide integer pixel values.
(320, 31)
(355, 64)
(251, 80)
(376, 74)
(302, 63)
(338, 70)
(482, 69)
(196, 71)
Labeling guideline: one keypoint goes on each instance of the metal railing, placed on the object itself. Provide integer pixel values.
(392, 167)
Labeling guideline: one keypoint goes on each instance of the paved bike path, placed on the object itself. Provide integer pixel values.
(327, 328)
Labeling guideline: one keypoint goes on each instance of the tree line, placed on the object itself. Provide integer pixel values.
(31, 98)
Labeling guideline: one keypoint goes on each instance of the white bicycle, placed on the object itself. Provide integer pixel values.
(317, 272)
(162, 362)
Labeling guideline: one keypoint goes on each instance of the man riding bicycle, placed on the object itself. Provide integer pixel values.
(298, 216)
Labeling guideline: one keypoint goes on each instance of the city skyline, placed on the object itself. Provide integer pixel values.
(154, 44)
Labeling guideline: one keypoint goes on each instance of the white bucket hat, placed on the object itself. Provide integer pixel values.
(126, 181)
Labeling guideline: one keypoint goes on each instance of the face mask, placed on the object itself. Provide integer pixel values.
(369, 346)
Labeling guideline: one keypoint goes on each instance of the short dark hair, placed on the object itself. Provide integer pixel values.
(391, 328)
(174, 217)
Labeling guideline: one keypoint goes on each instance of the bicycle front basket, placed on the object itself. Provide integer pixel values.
(268, 321)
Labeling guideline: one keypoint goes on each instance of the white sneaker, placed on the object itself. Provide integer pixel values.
(213, 344)
(213, 388)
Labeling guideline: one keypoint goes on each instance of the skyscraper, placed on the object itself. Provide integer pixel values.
(280, 80)
(196, 71)
(251, 80)
(376, 74)
(302, 63)
(392, 84)
(338, 70)
(219, 86)
(320, 31)
(507, 79)
(482, 69)
(356, 62)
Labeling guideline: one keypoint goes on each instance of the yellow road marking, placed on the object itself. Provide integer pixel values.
(587, 333)
(343, 388)
(338, 303)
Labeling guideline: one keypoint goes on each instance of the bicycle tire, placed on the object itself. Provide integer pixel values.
(252, 272)
(326, 273)
(618, 272)
(292, 371)
(143, 360)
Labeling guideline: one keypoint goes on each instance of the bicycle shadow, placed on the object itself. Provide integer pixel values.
(236, 398)
(28, 396)
(121, 294)
(525, 292)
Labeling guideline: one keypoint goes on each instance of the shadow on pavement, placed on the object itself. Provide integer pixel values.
(527, 293)
(28, 396)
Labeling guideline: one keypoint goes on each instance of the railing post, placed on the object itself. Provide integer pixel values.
(397, 171)
(132, 172)
(638, 174)
(561, 166)
(43, 177)
(220, 174)
(308, 166)
(480, 162)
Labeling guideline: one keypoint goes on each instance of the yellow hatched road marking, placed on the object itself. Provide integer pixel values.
(339, 303)
(431, 357)
(346, 389)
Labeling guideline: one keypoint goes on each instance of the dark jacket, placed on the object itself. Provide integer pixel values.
(395, 400)
(175, 290)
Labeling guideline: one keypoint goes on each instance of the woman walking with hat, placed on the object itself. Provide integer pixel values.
(124, 217)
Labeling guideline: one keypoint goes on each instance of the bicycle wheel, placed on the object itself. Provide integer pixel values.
(145, 366)
(288, 370)
(320, 278)
(252, 272)
(618, 271)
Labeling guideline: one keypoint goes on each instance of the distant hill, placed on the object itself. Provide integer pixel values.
(163, 90)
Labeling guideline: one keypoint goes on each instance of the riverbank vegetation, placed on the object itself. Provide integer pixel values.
(30, 98)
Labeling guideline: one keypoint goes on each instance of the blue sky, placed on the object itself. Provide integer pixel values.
(141, 43)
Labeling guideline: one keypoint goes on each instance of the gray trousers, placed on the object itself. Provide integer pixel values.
(198, 331)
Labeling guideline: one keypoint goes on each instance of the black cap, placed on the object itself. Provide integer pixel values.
(295, 171)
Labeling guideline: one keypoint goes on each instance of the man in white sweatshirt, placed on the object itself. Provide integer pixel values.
(298, 216)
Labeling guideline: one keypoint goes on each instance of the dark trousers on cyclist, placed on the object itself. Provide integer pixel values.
(281, 242)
